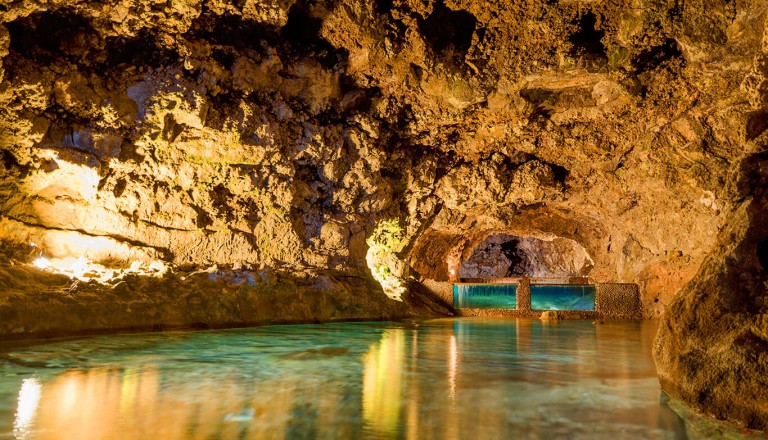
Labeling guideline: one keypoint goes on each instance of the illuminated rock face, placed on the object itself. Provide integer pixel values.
(278, 136)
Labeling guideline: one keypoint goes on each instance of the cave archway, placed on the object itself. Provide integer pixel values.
(503, 255)
(439, 251)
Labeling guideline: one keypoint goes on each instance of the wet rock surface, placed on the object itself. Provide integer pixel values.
(280, 134)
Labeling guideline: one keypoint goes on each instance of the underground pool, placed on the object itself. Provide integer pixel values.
(445, 378)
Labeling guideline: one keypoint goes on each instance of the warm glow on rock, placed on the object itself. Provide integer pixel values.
(83, 269)
(453, 261)
(382, 259)
(42, 263)
(74, 180)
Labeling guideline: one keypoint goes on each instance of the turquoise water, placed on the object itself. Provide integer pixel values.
(562, 297)
(543, 296)
(441, 379)
(485, 296)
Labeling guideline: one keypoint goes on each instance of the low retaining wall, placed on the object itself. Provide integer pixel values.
(512, 313)
(612, 300)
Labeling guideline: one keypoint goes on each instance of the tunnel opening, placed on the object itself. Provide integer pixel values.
(505, 255)
(511, 272)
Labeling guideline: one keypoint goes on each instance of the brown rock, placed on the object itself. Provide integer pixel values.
(711, 350)
(278, 134)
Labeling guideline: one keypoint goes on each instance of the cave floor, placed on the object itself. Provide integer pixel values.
(441, 378)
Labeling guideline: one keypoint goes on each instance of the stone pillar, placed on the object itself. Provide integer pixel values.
(524, 294)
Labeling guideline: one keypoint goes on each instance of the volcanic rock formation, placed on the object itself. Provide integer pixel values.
(305, 147)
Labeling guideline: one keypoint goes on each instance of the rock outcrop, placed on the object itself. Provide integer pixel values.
(35, 304)
(712, 346)
(259, 136)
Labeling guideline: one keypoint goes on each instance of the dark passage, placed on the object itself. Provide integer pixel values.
(587, 40)
(446, 29)
(504, 255)
(762, 253)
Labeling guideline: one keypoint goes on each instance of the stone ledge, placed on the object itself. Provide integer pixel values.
(37, 304)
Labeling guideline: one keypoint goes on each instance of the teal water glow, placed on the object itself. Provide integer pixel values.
(562, 297)
(446, 379)
(485, 296)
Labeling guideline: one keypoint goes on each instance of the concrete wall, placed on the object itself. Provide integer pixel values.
(618, 300)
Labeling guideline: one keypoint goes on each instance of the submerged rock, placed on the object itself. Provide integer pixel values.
(243, 416)
(550, 315)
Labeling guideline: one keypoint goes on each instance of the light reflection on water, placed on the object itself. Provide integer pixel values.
(29, 396)
(451, 379)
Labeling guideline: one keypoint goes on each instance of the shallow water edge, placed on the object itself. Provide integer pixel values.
(447, 378)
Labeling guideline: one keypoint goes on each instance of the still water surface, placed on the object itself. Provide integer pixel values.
(437, 379)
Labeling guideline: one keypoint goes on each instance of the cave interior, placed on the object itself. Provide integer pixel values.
(206, 165)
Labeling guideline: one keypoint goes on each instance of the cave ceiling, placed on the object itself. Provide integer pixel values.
(281, 133)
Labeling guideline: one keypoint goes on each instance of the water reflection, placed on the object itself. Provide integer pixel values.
(447, 379)
(452, 367)
(29, 396)
(113, 404)
(382, 382)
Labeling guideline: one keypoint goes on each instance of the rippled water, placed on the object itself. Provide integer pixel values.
(442, 379)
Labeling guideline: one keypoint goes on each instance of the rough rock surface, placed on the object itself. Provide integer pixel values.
(712, 345)
(34, 303)
(504, 255)
(278, 134)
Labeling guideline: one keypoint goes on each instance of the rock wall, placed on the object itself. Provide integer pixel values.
(281, 133)
(277, 135)
(712, 346)
(503, 255)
